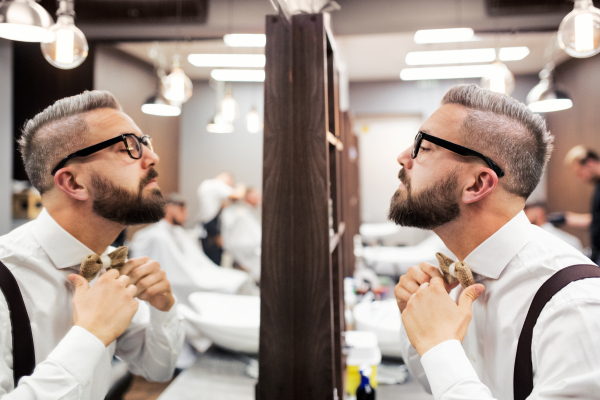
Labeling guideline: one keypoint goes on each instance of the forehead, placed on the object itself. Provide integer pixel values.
(106, 123)
(445, 122)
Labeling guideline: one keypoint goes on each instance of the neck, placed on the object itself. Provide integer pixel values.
(474, 226)
(83, 224)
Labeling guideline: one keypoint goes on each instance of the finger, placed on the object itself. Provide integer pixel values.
(80, 283)
(416, 274)
(133, 263)
(123, 280)
(143, 270)
(410, 286)
(110, 274)
(437, 282)
(158, 288)
(132, 290)
(403, 295)
(423, 286)
(431, 270)
(149, 280)
(469, 295)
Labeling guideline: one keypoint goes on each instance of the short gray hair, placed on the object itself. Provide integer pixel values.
(58, 131)
(506, 131)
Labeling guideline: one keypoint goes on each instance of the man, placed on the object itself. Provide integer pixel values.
(95, 172)
(536, 214)
(242, 232)
(473, 164)
(186, 266)
(585, 164)
(213, 195)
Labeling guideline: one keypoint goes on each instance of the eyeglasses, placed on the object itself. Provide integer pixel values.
(458, 149)
(133, 145)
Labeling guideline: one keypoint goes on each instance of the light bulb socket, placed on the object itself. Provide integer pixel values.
(66, 8)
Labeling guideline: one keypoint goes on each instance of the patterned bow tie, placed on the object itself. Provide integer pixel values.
(455, 270)
(93, 263)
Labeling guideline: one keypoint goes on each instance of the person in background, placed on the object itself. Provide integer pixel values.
(95, 171)
(181, 257)
(473, 164)
(536, 213)
(242, 231)
(585, 164)
(213, 196)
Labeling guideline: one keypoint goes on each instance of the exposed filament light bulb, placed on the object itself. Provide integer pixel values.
(579, 32)
(177, 87)
(69, 47)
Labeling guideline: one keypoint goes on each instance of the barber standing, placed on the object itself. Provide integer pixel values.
(585, 164)
(95, 172)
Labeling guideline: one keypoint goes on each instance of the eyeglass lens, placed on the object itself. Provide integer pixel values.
(133, 145)
(416, 145)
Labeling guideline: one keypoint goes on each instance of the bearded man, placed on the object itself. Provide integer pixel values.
(467, 176)
(95, 171)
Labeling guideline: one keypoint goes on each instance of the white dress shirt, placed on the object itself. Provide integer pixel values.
(211, 195)
(515, 262)
(72, 363)
(241, 231)
(185, 263)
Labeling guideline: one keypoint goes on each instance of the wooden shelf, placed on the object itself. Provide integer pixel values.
(332, 139)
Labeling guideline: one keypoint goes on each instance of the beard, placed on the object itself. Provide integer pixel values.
(126, 207)
(433, 207)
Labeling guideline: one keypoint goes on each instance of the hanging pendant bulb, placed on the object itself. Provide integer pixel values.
(177, 87)
(228, 108)
(544, 97)
(253, 121)
(69, 48)
(500, 79)
(579, 31)
(219, 125)
(25, 21)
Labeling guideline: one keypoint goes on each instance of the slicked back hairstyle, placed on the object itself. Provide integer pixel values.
(506, 131)
(58, 131)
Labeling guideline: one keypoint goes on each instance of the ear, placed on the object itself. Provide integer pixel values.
(67, 181)
(482, 185)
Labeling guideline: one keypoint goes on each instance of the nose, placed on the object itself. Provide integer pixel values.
(150, 158)
(405, 159)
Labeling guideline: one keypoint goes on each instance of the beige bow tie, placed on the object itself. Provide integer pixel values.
(93, 263)
(453, 270)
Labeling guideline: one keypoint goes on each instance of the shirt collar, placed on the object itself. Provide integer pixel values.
(63, 249)
(493, 255)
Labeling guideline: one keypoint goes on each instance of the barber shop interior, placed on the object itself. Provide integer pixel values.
(299, 199)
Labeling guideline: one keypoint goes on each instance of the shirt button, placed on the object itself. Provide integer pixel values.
(473, 358)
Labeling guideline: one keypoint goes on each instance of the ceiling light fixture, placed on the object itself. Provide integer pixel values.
(69, 48)
(158, 105)
(177, 87)
(245, 40)
(544, 97)
(238, 75)
(25, 21)
(454, 72)
(253, 121)
(219, 125)
(579, 31)
(228, 60)
(513, 53)
(445, 35)
(450, 56)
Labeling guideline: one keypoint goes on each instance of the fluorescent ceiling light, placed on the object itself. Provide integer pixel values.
(551, 105)
(163, 110)
(455, 72)
(450, 56)
(445, 35)
(238, 75)
(228, 60)
(513, 53)
(245, 40)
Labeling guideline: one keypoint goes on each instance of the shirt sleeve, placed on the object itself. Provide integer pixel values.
(152, 342)
(412, 359)
(63, 375)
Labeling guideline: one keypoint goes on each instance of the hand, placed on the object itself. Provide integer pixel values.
(413, 279)
(432, 317)
(151, 282)
(107, 308)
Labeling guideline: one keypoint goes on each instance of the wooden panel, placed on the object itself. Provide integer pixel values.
(578, 125)
(296, 351)
(276, 354)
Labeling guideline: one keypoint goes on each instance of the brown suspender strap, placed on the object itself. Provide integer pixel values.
(523, 377)
(22, 338)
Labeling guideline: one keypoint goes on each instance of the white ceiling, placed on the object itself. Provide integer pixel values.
(367, 57)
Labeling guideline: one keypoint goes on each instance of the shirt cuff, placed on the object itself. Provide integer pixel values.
(445, 365)
(160, 320)
(79, 352)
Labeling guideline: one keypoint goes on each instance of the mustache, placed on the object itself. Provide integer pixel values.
(149, 176)
(403, 178)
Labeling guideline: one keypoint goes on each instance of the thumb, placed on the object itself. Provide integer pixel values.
(469, 295)
(80, 283)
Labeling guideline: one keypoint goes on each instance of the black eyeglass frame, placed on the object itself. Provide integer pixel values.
(456, 148)
(142, 141)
